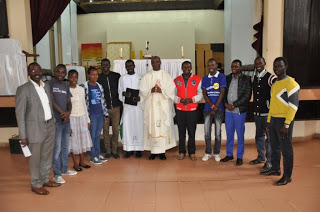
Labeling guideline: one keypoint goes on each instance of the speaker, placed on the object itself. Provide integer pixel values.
(4, 30)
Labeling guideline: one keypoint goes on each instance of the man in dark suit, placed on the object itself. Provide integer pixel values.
(36, 128)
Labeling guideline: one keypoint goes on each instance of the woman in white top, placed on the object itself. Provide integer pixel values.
(80, 140)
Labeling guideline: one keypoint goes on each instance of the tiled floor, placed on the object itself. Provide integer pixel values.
(172, 185)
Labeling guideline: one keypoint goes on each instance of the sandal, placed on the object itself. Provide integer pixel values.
(181, 156)
(193, 157)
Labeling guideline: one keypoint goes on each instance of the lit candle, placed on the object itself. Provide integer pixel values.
(120, 52)
(182, 52)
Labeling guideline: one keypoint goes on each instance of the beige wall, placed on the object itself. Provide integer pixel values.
(166, 30)
(272, 46)
(165, 39)
(19, 21)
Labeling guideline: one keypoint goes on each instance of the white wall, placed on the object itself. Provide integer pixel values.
(167, 30)
(238, 21)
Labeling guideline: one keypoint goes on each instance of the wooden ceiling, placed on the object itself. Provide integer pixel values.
(103, 6)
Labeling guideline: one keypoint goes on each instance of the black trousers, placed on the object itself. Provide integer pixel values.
(279, 145)
(187, 120)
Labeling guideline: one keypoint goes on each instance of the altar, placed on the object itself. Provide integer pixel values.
(171, 66)
(13, 67)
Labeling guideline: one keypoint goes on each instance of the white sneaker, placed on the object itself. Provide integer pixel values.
(217, 157)
(95, 160)
(206, 157)
(69, 172)
(102, 159)
(59, 179)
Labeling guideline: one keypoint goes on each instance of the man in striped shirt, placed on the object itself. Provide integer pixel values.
(283, 107)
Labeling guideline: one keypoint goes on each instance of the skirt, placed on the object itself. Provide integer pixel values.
(80, 140)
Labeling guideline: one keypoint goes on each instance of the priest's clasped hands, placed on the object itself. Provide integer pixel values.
(156, 89)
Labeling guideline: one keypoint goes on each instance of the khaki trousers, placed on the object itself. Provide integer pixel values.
(114, 117)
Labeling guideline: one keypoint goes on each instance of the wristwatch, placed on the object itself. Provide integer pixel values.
(286, 126)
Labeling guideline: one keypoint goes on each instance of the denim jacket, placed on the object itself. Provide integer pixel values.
(103, 101)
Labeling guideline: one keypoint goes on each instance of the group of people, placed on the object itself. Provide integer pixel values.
(57, 118)
(275, 103)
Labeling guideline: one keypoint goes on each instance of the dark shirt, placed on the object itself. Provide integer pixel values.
(61, 93)
(110, 86)
(244, 92)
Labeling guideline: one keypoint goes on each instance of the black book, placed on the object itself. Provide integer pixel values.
(129, 100)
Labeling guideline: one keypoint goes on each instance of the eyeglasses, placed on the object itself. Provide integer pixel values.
(34, 71)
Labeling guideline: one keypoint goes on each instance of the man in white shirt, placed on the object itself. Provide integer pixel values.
(132, 116)
(36, 124)
(157, 92)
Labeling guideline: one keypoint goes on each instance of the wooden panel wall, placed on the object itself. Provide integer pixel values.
(203, 54)
(301, 40)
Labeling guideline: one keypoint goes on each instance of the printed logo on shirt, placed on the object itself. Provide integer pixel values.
(193, 82)
(96, 96)
(57, 90)
(179, 83)
(216, 85)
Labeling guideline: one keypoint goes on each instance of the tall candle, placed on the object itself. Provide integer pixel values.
(120, 52)
(182, 52)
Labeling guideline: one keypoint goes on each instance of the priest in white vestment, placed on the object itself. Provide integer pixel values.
(157, 91)
(132, 115)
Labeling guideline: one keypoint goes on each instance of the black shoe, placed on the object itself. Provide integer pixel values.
(152, 156)
(128, 155)
(138, 154)
(107, 155)
(271, 172)
(77, 169)
(226, 159)
(255, 161)
(283, 181)
(116, 155)
(239, 162)
(85, 166)
(266, 167)
(162, 156)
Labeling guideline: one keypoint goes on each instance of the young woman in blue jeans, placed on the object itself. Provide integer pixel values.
(98, 112)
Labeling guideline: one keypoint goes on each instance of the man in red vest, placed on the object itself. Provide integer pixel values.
(188, 94)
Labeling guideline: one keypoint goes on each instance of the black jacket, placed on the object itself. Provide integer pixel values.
(110, 83)
(244, 92)
(261, 93)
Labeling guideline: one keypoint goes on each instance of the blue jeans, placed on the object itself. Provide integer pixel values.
(262, 139)
(218, 118)
(61, 149)
(95, 132)
(235, 122)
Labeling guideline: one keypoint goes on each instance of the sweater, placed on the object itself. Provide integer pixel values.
(284, 99)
